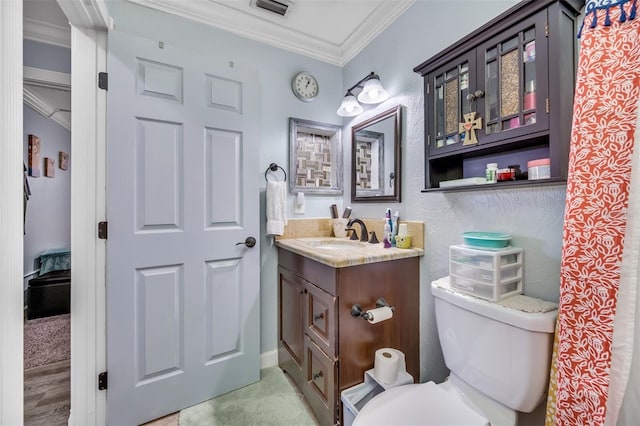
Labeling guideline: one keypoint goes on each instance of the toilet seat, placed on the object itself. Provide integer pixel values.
(420, 404)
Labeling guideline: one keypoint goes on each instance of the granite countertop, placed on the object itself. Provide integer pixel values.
(342, 252)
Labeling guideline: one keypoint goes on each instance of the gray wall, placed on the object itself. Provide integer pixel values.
(48, 223)
(46, 56)
(533, 216)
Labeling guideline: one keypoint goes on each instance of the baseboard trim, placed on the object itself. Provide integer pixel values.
(269, 359)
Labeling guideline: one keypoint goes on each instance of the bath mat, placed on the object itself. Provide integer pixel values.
(270, 402)
(47, 340)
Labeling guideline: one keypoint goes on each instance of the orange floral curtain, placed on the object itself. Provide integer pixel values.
(592, 352)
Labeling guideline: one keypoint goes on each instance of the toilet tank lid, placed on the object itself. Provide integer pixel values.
(506, 311)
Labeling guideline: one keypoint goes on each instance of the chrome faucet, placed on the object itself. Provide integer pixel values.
(363, 229)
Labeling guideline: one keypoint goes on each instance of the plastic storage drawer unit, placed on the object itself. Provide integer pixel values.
(488, 274)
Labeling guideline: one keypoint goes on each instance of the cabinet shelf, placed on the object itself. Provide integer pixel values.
(501, 185)
(517, 75)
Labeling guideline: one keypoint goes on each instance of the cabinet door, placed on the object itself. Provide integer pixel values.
(291, 320)
(448, 87)
(512, 69)
(319, 385)
(320, 319)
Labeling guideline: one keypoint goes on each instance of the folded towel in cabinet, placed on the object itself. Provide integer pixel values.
(276, 195)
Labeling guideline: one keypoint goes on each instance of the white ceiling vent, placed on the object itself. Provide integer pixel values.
(279, 7)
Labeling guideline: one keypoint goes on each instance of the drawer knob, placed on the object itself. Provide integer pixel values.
(317, 375)
(317, 317)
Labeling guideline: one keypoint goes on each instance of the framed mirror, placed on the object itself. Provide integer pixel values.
(375, 157)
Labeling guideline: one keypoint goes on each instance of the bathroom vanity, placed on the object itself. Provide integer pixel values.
(321, 345)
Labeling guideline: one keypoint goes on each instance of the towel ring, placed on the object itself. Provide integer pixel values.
(274, 168)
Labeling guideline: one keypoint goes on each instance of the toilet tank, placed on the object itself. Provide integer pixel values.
(502, 352)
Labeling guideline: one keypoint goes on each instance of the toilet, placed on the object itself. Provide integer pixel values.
(499, 355)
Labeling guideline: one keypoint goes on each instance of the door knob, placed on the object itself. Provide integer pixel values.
(249, 242)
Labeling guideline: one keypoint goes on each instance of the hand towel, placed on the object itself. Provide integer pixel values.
(276, 207)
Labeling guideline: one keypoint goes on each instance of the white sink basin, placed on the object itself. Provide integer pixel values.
(336, 244)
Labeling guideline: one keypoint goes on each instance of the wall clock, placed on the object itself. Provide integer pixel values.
(305, 86)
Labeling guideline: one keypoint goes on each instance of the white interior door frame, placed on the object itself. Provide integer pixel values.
(89, 21)
(88, 154)
(11, 220)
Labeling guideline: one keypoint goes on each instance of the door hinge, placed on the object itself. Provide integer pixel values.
(546, 29)
(103, 381)
(102, 230)
(546, 103)
(103, 80)
(428, 140)
(428, 88)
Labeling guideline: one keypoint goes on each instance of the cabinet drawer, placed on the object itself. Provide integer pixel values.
(320, 319)
(319, 385)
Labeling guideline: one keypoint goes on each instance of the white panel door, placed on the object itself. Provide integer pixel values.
(183, 318)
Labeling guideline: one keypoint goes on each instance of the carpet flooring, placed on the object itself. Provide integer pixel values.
(272, 401)
(47, 340)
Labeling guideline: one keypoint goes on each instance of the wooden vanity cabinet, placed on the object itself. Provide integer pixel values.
(517, 74)
(321, 346)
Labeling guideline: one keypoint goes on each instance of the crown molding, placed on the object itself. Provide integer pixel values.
(379, 20)
(239, 23)
(42, 107)
(272, 33)
(92, 14)
(45, 32)
(46, 78)
(50, 79)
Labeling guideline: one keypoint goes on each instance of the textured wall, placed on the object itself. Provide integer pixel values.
(532, 215)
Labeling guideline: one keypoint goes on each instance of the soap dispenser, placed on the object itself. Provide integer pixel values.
(387, 234)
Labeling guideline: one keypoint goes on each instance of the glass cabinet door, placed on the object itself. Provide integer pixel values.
(511, 70)
(449, 87)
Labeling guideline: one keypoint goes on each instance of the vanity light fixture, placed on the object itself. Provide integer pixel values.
(371, 92)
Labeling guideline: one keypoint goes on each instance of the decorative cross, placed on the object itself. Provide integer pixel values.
(468, 128)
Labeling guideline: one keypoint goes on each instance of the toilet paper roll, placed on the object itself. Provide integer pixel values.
(386, 365)
(379, 314)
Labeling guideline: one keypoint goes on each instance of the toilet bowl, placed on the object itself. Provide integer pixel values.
(421, 404)
(499, 356)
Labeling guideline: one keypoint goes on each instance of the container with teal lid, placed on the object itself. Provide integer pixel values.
(486, 240)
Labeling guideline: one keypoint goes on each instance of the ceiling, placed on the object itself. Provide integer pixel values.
(332, 31)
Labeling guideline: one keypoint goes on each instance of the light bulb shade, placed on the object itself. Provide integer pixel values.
(349, 107)
(373, 92)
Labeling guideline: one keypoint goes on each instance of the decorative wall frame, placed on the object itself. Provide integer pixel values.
(315, 157)
(369, 162)
(63, 160)
(49, 167)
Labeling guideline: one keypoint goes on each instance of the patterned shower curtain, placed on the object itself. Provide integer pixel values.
(598, 312)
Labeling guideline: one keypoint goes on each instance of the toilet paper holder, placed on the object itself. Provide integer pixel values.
(357, 311)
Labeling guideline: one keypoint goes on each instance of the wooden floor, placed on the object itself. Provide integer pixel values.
(47, 394)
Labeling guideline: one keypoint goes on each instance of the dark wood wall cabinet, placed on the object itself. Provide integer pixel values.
(517, 74)
(321, 346)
